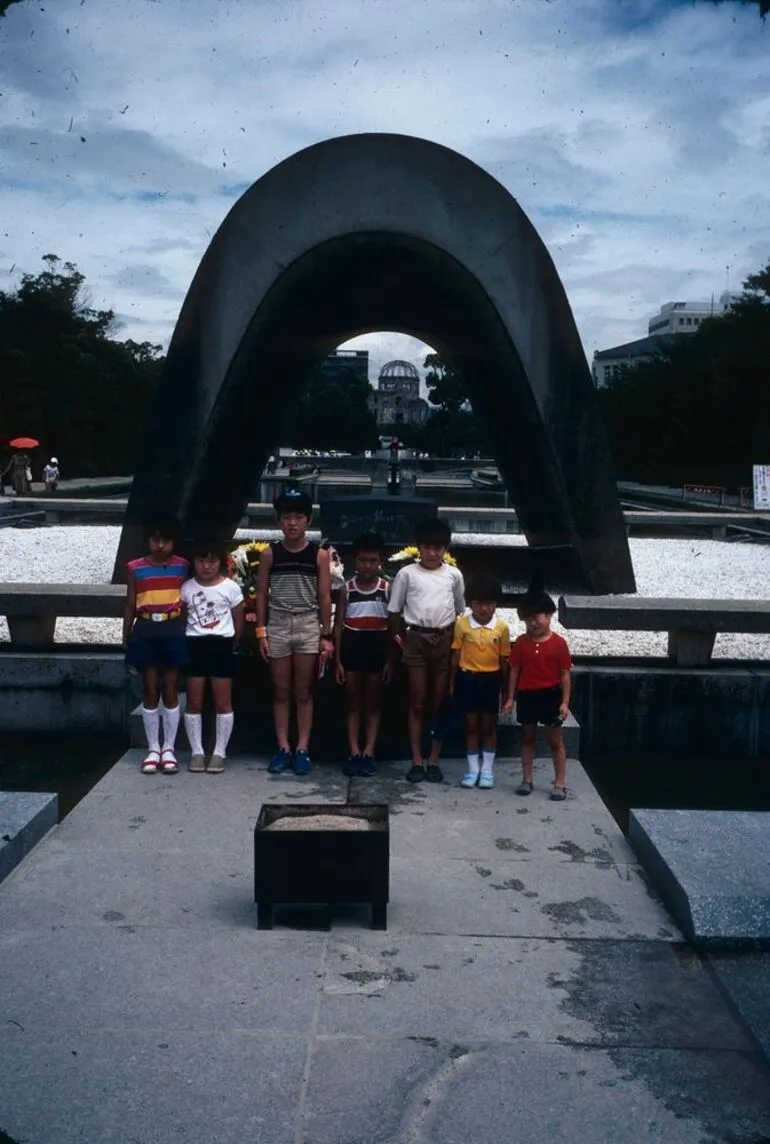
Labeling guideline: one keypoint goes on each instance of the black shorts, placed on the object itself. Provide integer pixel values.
(364, 651)
(478, 691)
(542, 706)
(211, 657)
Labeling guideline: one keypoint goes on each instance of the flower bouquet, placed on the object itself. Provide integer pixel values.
(410, 555)
(243, 567)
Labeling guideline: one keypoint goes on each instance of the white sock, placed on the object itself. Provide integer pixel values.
(151, 721)
(473, 764)
(193, 725)
(224, 725)
(488, 762)
(170, 727)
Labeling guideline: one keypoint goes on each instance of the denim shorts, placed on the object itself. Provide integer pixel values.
(157, 645)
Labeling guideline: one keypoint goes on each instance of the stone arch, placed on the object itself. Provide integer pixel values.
(372, 232)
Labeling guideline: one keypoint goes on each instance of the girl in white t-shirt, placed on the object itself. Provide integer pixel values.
(214, 607)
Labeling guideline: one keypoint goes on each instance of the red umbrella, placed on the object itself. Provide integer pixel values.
(24, 443)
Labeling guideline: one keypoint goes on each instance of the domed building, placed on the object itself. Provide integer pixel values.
(396, 400)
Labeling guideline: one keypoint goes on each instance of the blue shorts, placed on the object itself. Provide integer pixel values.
(478, 691)
(157, 645)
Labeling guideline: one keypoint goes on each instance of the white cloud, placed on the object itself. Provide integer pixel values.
(634, 135)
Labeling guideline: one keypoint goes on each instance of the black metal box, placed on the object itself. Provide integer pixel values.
(322, 866)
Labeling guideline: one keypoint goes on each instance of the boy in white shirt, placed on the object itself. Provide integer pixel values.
(215, 610)
(425, 600)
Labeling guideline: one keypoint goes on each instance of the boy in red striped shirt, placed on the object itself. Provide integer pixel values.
(541, 683)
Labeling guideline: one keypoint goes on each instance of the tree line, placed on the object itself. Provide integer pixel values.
(66, 380)
(699, 411)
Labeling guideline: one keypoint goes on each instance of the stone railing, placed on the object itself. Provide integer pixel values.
(692, 625)
(32, 609)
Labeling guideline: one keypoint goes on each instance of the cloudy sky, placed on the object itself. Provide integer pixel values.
(634, 133)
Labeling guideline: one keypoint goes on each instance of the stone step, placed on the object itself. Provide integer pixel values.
(25, 817)
(328, 741)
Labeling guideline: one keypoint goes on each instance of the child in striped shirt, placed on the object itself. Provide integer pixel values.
(365, 651)
(154, 638)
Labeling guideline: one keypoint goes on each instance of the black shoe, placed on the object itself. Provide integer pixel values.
(367, 766)
(415, 774)
(351, 767)
(433, 773)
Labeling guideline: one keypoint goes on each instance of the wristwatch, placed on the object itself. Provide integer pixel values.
(326, 636)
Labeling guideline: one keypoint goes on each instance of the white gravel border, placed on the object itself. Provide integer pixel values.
(78, 554)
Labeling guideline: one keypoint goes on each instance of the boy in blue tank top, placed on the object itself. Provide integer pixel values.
(294, 613)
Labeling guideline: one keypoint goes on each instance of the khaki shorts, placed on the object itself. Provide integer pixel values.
(431, 649)
(293, 634)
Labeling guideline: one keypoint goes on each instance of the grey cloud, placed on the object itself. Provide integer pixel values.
(119, 160)
(144, 278)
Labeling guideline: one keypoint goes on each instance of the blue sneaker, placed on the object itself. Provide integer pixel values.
(367, 767)
(279, 762)
(350, 768)
(301, 764)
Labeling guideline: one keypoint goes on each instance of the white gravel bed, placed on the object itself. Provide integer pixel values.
(667, 568)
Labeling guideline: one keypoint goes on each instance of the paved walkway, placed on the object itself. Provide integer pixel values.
(529, 987)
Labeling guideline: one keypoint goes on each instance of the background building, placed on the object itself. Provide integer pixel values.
(673, 318)
(396, 400)
(346, 361)
(685, 317)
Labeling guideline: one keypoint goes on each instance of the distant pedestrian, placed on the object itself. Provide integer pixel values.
(18, 472)
(480, 650)
(365, 650)
(214, 607)
(51, 475)
(154, 638)
(541, 683)
(272, 464)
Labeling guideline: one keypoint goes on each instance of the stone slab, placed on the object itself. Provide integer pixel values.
(158, 1086)
(597, 992)
(745, 977)
(223, 976)
(25, 817)
(711, 867)
(444, 1092)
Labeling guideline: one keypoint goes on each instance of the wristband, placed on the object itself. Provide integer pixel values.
(326, 636)
(261, 633)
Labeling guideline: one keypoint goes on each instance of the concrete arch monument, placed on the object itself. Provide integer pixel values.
(369, 232)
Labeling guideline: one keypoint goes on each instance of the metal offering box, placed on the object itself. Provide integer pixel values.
(326, 866)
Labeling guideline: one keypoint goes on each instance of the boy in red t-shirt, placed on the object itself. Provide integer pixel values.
(540, 680)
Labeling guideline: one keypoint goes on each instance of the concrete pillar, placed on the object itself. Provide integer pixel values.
(32, 631)
(690, 649)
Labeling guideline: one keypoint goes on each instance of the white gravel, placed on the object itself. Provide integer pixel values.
(667, 568)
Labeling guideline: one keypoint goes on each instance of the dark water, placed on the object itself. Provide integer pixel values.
(661, 782)
(67, 765)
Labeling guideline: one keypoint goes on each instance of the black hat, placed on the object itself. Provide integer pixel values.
(293, 500)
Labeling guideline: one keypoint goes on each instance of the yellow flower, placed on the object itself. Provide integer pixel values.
(412, 552)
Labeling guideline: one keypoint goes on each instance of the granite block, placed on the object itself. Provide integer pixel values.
(24, 818)
(712, 868)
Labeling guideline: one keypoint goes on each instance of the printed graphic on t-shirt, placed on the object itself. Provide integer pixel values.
(209, 613)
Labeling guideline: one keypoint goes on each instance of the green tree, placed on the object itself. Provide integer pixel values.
(699, 411)
(332, 414)
(447, 388)
(66, 380)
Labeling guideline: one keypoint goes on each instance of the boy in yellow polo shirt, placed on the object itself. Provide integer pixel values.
(480, 649)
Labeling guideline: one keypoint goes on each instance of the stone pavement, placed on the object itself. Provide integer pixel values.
(530, 986)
